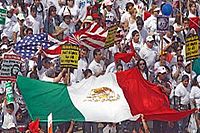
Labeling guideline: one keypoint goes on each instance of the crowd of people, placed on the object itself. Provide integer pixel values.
(159, 56)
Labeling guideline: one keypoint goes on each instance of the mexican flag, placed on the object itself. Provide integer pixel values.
(108, 98)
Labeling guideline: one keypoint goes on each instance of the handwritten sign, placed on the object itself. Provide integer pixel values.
(110, 40)
(69, 56)
(192, 47)
(10, 67)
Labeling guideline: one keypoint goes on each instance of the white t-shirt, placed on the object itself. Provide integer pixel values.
(8, 27)
(16, 29)
(9, 119)
(182, 92)
(195, 94)
(95, 67)
(82, 66)
(33, 23)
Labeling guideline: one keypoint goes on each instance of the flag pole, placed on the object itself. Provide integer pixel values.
(68, 76)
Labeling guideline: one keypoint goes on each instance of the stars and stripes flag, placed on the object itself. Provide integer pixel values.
(92, 37)
(29, 45)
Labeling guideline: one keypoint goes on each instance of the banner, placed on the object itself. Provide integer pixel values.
(192, 47)
(110, 40)
(162, 24)
(10, 67)
(69, 56)
(9, 93)
(3, 15)
(50, 126)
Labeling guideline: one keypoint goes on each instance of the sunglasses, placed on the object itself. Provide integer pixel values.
(141, 64)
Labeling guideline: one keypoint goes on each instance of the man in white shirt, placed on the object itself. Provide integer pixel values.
(96, 66)
(148, 53)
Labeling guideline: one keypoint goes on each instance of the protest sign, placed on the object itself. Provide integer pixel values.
(69, 56)
(50, 125)
(110, 39)
(10, 67)
(162, 24)
(192, 47)
(3, 15)
(9, 93)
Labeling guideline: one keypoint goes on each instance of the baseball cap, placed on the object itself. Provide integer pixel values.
(156, 9)
(149, 39)
(20, 16)
(161, 70)
(3, 35)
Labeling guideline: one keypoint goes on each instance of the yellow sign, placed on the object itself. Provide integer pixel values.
(69, 56)
(110, 40)
(192, 48)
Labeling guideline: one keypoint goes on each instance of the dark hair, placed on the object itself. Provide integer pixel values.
(134, 33)
(96, 51)
(51, 8)
(129, 4)
(179, 56)
(145, 68)
(10, 106)
(171, 28)
(194, 81)
(139, 20)
(186, 19)
(85, 73)
(29, 29)
(33, 8)
(192, 3)
(119, 64)
(184, 77)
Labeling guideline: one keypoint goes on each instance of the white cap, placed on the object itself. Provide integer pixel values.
(161, 70)
(20, 16)
(66, 13)
(4, 47)
(198, 79)
(3, 35)
(108, 2)
(9, 8)
(149, 39)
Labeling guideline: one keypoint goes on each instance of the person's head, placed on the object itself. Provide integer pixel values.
(178, 50)
(10, 108)
(119, 67)
(15, 70)
(186, 23)
(108, 5)
(67, 17)
(141, 64)
(14, 3)
(135, 36)
(20, 18)
(180, 60)
(46, 62)
(87, 73)
(139, 23)
(37, 2)
(133, 12)
(4, 38)
(29, 31)
(70, 3)
(188, 66)
(51, 73)
(170, 32)
(97, 55)
(193, 7)
(162, 73)
(129, 6)
(150, 41)
(178, 18)
(156, 11)
(162, 57)
(34, 11)
(52, 11)
(185, 80)
(83, 52)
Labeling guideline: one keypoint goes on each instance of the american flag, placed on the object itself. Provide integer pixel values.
(28, 46)
(55, 50)
(94, 36)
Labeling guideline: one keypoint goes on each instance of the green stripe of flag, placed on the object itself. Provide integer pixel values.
(43, 98)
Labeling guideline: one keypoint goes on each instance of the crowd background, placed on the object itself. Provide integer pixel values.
(160, 57)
